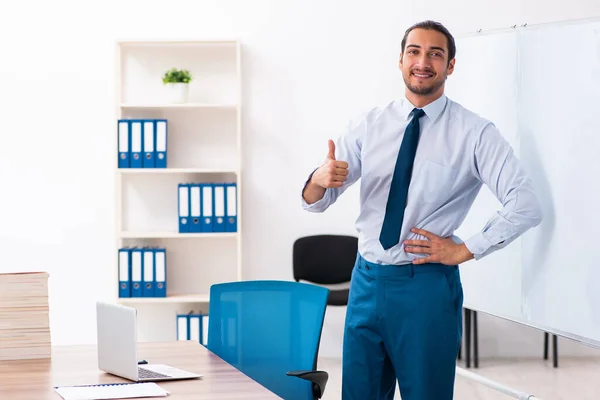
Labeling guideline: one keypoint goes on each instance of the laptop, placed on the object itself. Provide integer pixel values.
(117, 347)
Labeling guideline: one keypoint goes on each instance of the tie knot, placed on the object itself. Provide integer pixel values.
(418, 113)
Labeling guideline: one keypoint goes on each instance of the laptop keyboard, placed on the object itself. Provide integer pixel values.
(146, 374)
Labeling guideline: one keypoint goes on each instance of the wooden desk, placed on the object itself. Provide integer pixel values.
(77, 365)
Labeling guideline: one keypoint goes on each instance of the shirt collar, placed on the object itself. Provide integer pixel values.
(432, 110)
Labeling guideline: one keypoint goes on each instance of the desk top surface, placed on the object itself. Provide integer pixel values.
(77, 365)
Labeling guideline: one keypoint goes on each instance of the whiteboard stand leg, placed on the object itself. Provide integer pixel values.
(475, 341)
(468, 337)
(495, 385)
(555, 350)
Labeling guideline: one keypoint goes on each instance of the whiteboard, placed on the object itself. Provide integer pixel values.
(541, 87)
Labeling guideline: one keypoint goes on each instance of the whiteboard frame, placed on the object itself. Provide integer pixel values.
(520, 27)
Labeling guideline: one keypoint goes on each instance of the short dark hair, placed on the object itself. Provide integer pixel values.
(436, 26)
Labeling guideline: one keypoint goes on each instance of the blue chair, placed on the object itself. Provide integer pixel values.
(270, 331)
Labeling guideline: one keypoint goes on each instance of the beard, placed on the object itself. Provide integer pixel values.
(423, 90)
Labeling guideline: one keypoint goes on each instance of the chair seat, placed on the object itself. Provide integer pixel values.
(338, 297)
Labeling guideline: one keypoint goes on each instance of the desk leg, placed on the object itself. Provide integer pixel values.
(545, 345)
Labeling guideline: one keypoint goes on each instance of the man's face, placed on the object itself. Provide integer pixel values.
(424, 63)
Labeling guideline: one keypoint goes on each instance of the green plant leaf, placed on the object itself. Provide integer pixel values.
(175, 75)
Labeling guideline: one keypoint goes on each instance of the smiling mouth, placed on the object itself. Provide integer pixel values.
(422, 76)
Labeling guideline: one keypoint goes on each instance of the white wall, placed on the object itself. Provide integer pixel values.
(308, 67)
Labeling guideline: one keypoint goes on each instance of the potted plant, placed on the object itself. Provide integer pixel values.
(177, 82)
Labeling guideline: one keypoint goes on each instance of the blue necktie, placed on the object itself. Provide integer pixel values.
(394, 210)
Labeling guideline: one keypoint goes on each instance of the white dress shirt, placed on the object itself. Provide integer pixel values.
(458, 152)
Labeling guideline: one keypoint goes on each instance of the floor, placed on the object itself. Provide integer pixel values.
(575, 378)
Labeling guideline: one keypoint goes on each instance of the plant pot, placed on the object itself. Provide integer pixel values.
(178, 92)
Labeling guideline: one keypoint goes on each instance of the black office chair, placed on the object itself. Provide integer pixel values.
(326, 260)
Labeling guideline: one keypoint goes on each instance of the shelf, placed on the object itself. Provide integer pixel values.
(177, 235)
(179, 44)
(179, 105)
(176, 298)
(187, 42)
(132, 171)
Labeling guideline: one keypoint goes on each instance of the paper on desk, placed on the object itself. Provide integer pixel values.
(111, 391)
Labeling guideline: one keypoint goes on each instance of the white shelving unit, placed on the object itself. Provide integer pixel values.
(176, 171)
(204, 144)
(175, 299)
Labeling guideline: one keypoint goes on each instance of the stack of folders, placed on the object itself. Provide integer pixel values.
(142, 272)
(193, 327)
(142, 143)
(207, 207)
(24, 316)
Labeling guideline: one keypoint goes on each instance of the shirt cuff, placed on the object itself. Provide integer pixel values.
(316, 206)
(478, 245)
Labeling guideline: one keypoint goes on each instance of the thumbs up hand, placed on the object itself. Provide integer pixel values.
(333, 173)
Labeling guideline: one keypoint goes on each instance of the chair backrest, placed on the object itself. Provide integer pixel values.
(324, 259)
(267, 328)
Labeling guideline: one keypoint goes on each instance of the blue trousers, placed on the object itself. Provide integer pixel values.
(402, 323)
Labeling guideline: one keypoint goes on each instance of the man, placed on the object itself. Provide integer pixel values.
(422, 161)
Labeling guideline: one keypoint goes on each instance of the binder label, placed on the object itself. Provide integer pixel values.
(136, 140)
(160, 266)
(123, 138)
(161, 136)
(231, 201)
(123, 266)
